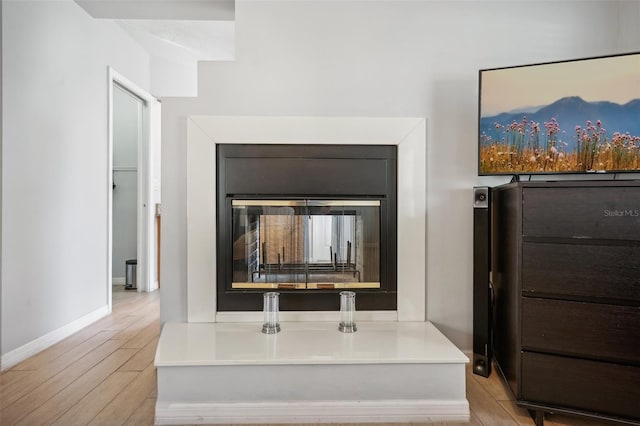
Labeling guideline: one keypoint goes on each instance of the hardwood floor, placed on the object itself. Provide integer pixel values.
(104, 375)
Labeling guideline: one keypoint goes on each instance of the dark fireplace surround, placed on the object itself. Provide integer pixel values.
(311, 174)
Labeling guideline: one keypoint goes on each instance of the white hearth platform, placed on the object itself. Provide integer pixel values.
(309, 372)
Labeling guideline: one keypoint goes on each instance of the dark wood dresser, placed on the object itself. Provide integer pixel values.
(566, 277)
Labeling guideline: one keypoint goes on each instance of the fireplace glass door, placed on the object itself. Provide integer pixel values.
(306, 244)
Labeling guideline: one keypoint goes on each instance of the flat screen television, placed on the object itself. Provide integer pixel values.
(575, 116)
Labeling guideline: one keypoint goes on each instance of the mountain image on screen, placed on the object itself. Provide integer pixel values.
(568, 135)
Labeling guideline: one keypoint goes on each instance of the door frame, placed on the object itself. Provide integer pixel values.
(146, 279)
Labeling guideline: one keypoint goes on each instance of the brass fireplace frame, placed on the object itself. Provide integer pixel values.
(305, 269)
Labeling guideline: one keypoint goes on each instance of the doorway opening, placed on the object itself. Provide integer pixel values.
(134, 187)
(128, 112)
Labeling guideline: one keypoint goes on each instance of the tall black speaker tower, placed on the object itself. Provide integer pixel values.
(482, 318)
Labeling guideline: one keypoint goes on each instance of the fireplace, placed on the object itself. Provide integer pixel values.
(310, 368)
(206, 133)
(308, 221)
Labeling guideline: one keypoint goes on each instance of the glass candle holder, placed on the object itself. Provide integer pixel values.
(347, 312)
(271, 306)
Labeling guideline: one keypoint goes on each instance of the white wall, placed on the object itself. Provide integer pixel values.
(127, 130)
(629, 30)
(382, 58)
(55, 88)
(171, 78)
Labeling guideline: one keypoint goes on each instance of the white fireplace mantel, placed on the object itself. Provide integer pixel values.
(204, 132)
(218, 368)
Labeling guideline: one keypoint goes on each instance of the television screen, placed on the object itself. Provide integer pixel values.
(573, 116)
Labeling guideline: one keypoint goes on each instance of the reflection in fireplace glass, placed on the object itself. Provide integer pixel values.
(306, 244)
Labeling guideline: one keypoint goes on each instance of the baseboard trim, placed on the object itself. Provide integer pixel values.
(17, 355)
(386, 411)
(118, 281)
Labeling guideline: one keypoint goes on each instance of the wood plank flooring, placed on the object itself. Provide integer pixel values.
(104, 375)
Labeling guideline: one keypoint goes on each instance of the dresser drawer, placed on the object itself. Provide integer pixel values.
(594, 386)
(582, 213)
(583, 329)
(593, 271)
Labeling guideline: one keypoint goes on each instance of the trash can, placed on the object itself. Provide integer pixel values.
(130, 277)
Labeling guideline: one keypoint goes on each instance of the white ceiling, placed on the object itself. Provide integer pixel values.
(184, 41)
(206, 10)
(182, 31)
